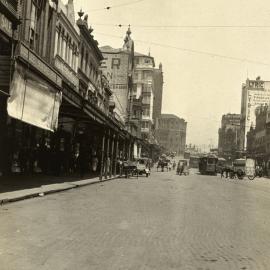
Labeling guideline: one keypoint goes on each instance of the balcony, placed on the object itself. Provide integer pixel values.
(145, 130)
(147, 118)
(38, 63)
(11, 5)
(146, 101)
(144, 66)
(67, 71)
(147, 90)
(142, 81)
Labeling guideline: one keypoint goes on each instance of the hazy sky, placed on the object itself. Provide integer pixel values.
(199, 88)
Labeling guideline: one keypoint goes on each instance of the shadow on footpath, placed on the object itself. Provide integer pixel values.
(19, 182)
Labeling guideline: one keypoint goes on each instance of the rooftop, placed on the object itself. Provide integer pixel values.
(170, 116)
(109, 49)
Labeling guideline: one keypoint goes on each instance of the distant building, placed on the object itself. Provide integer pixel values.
(258, 137)
(117, 66)
(171, 133)
(254, 93)
(144, 87)
(158, 91)
(229, 135)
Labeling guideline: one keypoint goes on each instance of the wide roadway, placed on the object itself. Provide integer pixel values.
(161, 222)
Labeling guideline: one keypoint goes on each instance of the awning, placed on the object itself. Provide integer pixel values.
(33, 100)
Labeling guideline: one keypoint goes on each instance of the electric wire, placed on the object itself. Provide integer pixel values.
(115, 6)
(233, 58)
(185, 26)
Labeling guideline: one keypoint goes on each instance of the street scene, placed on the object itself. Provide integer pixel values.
(134, 134)
(165, 221)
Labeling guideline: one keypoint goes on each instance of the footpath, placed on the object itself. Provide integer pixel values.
(24, 187)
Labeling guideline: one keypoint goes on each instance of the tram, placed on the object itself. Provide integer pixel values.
(208, 164)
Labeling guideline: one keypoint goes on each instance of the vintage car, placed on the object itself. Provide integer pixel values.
(143, 166)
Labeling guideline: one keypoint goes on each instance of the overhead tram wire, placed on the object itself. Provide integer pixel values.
(233, 58)
(186, 26)
(115, 6)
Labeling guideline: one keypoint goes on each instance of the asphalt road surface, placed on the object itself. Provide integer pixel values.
(161, 222)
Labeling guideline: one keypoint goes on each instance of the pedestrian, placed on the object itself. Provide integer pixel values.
(174, 164)
(222, 172)
(94, 163)
(81, 162)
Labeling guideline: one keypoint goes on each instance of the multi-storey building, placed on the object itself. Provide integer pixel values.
(9, 20)
(87, 126)
(254, 93)
(34, 87)
(229, 135)
(258, 137)
(171, 133)
(158, 91)
(54, 101)
(144, 88)
(117, 66)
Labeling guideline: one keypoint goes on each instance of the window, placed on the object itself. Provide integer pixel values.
(146, 74)
(147, 61)
(145, 125)
(146, 112)
(146, 99)
(86, 63)
(33, 27)
(82, 55)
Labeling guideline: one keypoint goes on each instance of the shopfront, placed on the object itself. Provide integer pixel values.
(32, 109)
(8, 25)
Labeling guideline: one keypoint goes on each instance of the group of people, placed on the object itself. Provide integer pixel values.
(229, 172)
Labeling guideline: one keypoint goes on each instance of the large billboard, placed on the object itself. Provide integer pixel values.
(258, 93)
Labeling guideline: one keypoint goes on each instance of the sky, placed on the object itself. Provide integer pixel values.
(197, 87)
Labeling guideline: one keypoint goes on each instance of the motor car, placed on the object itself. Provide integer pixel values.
(143, 166)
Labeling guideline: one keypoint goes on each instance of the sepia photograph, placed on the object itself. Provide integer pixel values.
(134, 135)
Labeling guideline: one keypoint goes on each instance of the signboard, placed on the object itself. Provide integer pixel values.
(254, 99)
(5, 25)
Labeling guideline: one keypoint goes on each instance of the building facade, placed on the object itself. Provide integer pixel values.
(158, 92)
(171, 133)
(34, 88)
(144, 88)
(229, 135)
(55, 110)
(9, 21)
(254, 93)
(117, 66)
(258, 137)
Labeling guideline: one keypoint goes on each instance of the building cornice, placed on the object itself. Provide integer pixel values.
(69, 27)
(85, 32)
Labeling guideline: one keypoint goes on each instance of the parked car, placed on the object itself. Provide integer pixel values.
(143, 166)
